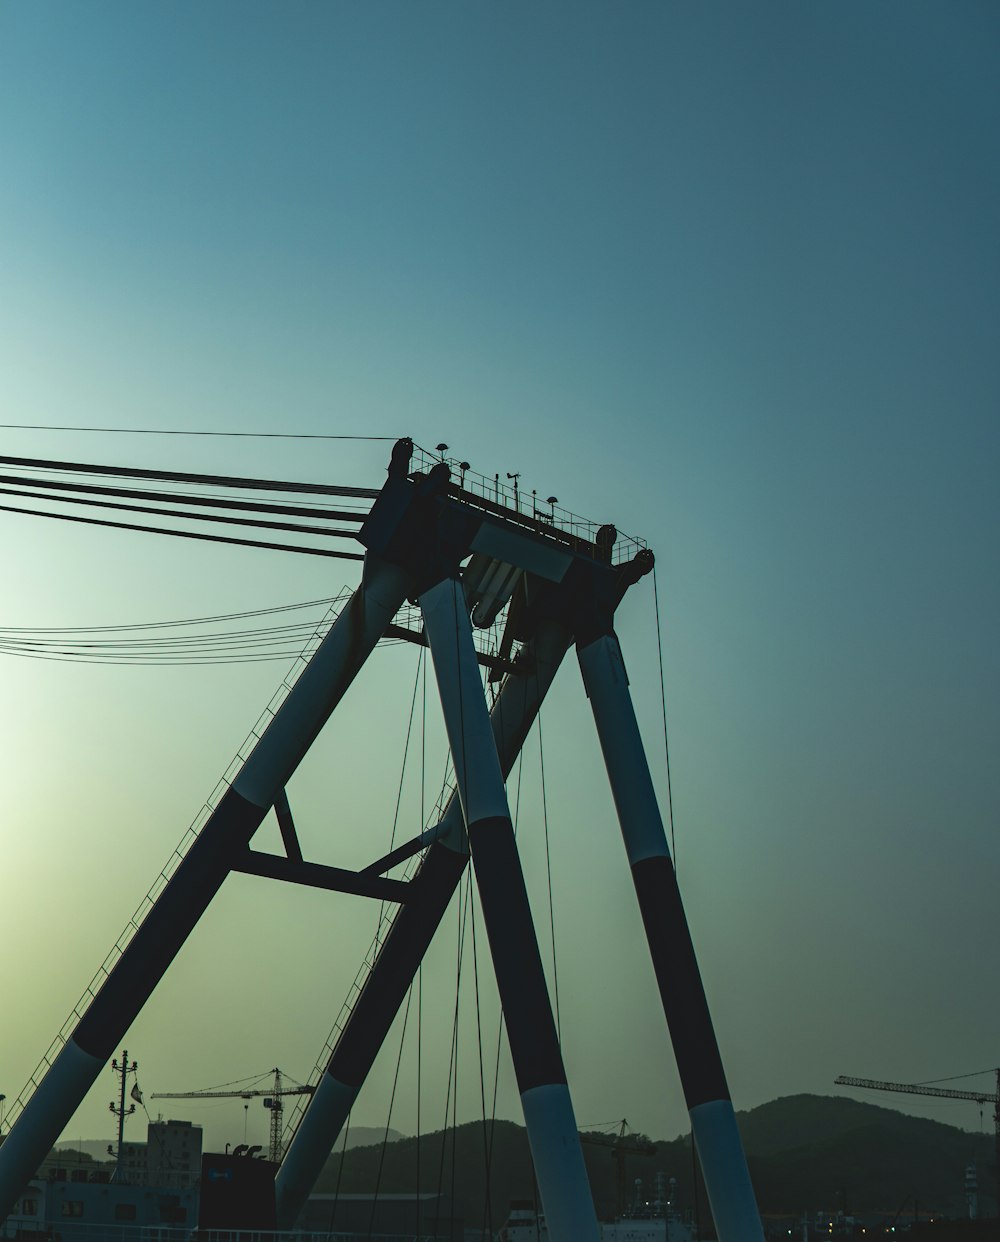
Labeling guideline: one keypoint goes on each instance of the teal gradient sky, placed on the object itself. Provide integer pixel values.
(726, 275)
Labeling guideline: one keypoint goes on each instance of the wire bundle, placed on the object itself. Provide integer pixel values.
(63, 489)
(227, 639)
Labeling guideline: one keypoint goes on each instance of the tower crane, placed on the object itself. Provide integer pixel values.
(916, 1088)
(272, 1101)
(621, 1146)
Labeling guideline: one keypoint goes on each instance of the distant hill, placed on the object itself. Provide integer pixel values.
(810, 1150)
(805, 1152)
(97, 1149)
(80, 1151)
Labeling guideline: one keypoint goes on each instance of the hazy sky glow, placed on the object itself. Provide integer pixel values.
(724, 275)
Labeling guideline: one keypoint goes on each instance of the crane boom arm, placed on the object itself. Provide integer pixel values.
(231, 1095)
(913, 1088)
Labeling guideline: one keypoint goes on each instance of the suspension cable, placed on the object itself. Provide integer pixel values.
(487, 1146)
(340, 1170)
(177, 498)
(160, 511)
(548, 868)
(420, 1054)
(186, 534)
(663, 704)
(180, 476)
(388, 1120)
(402, 777)
(453, 1052)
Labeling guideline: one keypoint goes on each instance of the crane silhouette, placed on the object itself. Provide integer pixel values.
(273, 1096)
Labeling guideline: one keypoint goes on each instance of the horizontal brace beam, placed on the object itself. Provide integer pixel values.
(315, 875)
(493, 663)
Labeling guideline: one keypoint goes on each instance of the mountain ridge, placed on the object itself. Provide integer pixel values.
(805, 1152)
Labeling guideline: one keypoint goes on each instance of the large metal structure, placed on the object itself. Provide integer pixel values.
(273, 1097)
(947, 1093)
(620, 1146)
(466, 557)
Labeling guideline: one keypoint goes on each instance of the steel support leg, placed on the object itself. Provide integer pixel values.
(411, 932)
(703, 1079)
(199, 877)
(548, 1110)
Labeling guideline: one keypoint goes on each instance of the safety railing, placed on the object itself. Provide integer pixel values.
(543, 515)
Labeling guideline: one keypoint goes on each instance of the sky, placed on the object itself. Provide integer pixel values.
(725, 275)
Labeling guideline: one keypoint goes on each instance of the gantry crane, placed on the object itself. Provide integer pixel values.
(916, 1088)
(621, 1146)
(272, 1100)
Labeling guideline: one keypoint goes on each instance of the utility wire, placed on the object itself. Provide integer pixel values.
(148, 431)
(183, 621)
(175, 642)
(149, 625)
(253, 658)
(261, 646)
(178, 642)
(156, 645)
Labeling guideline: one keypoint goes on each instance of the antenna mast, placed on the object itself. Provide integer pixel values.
(119, 1109)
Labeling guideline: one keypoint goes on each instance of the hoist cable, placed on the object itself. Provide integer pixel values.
(663, 704)
(388, 1120)
(176, 476)
(178, 498)
(487, 1146)
(340, 1170)
(420, 1051)
(927, 1082)
(157, 511)
(187, 534)
(548, 868)
(451, 1098)
(454, 1106)
(402, 777)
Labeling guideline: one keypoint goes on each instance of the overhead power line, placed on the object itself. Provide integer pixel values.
(150, 431)
(325, 603)
(221, 639)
